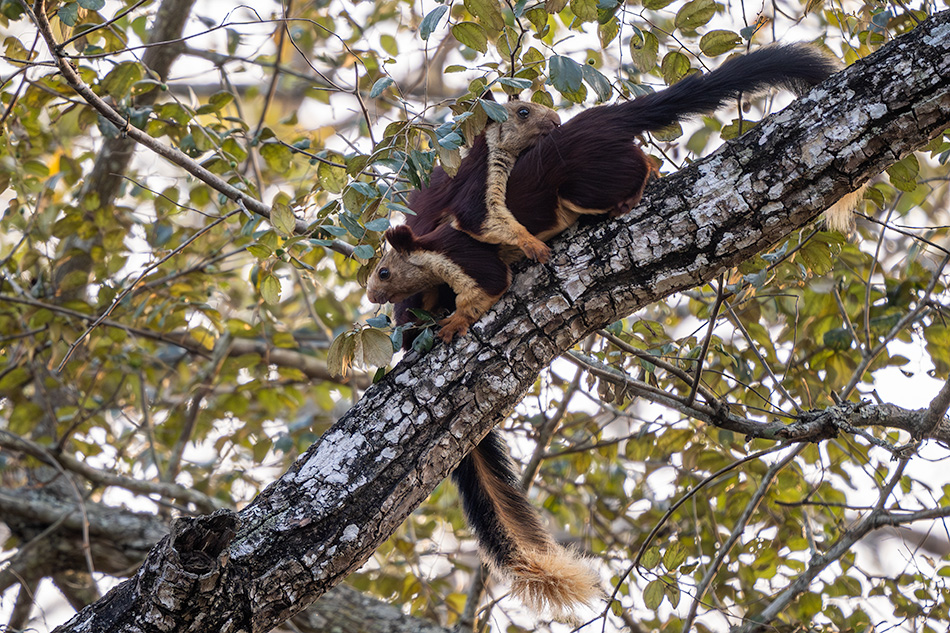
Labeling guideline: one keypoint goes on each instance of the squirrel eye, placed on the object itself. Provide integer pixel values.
(523, 112)
(383, 274)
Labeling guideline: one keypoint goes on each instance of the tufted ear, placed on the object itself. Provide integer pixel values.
(401, 238)
(488, 95)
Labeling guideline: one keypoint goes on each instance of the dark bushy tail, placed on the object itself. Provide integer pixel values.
(795, 67)
(511, 536)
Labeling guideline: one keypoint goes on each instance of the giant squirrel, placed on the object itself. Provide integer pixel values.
(588, 165)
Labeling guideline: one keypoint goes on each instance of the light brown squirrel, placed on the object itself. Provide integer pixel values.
(588, 165)
(527, 122)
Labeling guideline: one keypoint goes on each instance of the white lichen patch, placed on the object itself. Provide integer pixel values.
(939, 37)
(350, 533)
(573, 287)
(814, 152)
(641, 249)
(386, 454)
(327, 464)
(395, 435)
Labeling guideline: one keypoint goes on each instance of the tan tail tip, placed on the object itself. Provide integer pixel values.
(555, 581)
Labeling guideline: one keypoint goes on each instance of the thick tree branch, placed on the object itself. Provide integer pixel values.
(353, 488)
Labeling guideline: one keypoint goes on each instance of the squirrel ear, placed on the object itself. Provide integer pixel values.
(488, 95)
(401, 238)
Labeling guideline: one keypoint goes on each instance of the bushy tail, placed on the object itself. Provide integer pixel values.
(511, 536)
(796, 67)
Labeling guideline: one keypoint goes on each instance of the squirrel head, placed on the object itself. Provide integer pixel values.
(527, 122)
(403, 270)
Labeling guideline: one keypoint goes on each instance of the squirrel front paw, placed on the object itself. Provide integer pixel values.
(452, 325)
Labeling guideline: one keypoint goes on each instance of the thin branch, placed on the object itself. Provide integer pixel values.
(720, 297)
(874, 520)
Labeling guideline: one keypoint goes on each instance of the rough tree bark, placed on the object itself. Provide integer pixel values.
(251, 570)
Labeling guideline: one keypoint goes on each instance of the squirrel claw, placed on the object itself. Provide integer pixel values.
(535, 249)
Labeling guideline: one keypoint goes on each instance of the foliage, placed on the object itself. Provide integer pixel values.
(157, 330)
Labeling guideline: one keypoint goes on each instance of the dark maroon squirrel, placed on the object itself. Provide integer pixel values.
(454, 254)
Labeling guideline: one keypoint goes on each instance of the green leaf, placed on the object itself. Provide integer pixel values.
(644, 51)
(216, 102)
(694, 14)
(651, 558)
(508, 39)
(585, 10)
(14, 378)
(388, 42)
(905, 170)
(566, 74)
(381, 84)
(278, 157)
(379, 224)
(674, 556)
(674, 67)
(364, 251)
(655, 5)
(119, 81)
(270, 289)
(472, 35)
(331, 177)
(598, 82)
(494, 110)
(14, 49)
(515, 82)
(608, 31)
(68, 14)
(653, 594)
(431, 21)
(92, 5)
(282, 217)
(538, 18)
(488, 13)
(718, 42)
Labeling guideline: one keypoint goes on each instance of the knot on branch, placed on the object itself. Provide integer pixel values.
(817, 425)
(201, 543)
